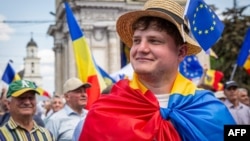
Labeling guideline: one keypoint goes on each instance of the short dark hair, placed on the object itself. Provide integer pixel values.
(159, 24)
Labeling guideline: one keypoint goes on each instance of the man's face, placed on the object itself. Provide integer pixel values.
(57, 104)
(231, 93)
(23, 105)
(243, 97)
(77, 98)
(154, 52)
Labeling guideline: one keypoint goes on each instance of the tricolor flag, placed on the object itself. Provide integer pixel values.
(132, 110)
(205, 25)
(42, 92)
(86, 68)
(213, 78)
(243, 57)
(10, 75)
(247, 65)
(107, 78)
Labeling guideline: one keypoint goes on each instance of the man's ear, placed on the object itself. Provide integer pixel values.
(66, 96)
(182, 51)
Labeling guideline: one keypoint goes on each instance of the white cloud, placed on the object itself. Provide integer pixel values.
(47, 56)
(5, 30)
(47, 69)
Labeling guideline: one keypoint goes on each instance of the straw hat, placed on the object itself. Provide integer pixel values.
(165, 9)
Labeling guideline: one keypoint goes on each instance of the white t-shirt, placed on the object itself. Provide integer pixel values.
(163, 99)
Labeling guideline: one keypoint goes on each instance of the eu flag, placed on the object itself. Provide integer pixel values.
(245, 49)
(191, 68)
(205, 25)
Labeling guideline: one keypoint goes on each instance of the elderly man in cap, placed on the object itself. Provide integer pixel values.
(158, 103)
(63, 122)
(21, 126)
(239, 111)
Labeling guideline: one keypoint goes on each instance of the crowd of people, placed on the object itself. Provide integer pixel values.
(157, 104)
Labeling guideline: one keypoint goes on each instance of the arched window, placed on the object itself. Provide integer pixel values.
(32, 65)
(32, 52)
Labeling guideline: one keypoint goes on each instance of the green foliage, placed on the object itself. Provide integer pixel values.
(228, 47)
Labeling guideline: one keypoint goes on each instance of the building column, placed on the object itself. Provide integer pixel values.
(58, 68)
(114, 61)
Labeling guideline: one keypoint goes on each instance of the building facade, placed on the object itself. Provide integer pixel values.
(97, 18)
(32, 64)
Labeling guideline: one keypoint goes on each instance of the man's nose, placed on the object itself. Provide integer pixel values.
(143, 46)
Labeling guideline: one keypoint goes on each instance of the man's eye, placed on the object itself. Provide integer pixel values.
(154, 41)
(136, 41)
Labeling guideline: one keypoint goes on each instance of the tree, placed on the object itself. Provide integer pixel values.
(228, 47)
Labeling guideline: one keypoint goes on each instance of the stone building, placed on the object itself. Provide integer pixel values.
(98, 20)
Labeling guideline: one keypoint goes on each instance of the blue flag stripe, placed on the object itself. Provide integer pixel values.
(75, 30)
(244, 52)
(8, 74)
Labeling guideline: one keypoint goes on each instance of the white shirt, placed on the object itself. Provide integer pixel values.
(162, 99)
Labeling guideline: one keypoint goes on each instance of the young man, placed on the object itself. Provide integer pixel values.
(158, 103)
(22, 107)
(62, 123)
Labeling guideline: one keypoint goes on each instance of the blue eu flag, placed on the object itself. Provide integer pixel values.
(205, 25)
(191, 68)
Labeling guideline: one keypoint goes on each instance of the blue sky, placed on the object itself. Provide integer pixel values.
(15, 36)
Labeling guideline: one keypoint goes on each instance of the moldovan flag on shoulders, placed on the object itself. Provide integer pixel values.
(9, 74)
(86, 67)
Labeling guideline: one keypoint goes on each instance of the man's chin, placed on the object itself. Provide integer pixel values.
(83, 105)
(25, 114)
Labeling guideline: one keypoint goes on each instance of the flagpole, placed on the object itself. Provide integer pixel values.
(233, 72)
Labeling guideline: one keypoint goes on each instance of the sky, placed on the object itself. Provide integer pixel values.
(14, 35)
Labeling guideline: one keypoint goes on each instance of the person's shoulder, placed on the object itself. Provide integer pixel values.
(46, 131)
(245, 107)
(4, 129)
(204, 92)
(85, 111)
(59, 114)
(4, 118)
(38, 120)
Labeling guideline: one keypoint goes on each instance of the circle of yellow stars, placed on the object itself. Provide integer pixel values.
(211, 28)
